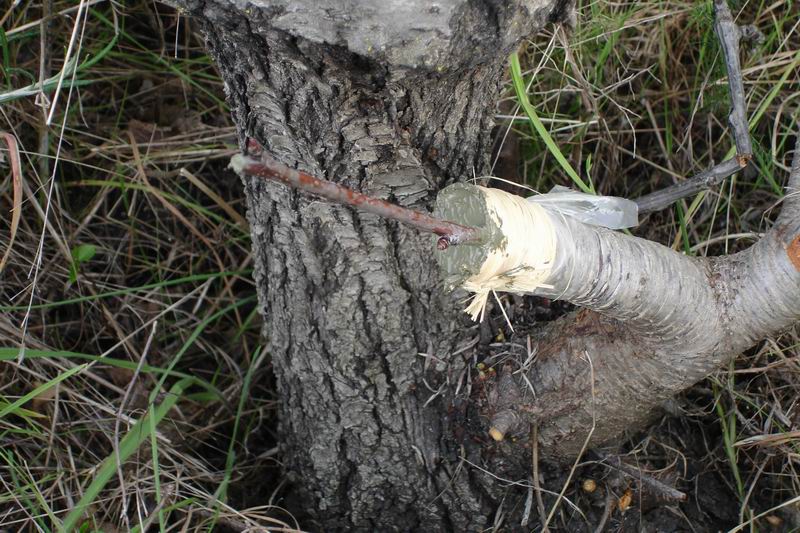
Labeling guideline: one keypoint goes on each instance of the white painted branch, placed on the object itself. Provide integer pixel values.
(697, 310)
(656, 291)
(677, 318)
(763, 283)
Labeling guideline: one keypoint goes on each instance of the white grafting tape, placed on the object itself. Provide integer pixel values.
(523, 261)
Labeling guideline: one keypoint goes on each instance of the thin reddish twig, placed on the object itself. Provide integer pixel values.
(266, 167)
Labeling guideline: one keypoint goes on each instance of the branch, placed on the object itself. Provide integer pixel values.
(675, 318)
(662, 295)
(655, 201)
(657, 486)
(729, 35)
(450, 233)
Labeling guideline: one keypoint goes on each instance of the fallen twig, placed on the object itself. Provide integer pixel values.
(656, 486)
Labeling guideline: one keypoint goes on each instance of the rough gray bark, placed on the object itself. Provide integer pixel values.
(349, 300)
(395, 100)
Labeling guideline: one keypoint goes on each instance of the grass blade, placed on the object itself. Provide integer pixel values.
(131, 290)
(138, 434)
(12, 407)
(16, 181)
(11, 354)
(538, 127)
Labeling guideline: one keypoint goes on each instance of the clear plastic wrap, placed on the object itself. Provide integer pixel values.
(608, 211)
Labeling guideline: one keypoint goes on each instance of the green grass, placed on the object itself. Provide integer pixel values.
(127, 263)
(539, 129)
(141, 431)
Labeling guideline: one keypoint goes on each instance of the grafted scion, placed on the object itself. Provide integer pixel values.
(450, 233)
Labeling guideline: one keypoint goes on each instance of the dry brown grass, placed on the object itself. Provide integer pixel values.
(144, 268)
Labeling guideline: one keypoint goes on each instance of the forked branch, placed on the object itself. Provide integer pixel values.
(729, 34)
(655, 201)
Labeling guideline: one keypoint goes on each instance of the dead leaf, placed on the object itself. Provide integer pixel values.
(120, 376)
(16, 177)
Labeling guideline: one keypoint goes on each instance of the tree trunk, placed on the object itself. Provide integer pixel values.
(352, 303)
(380, 415)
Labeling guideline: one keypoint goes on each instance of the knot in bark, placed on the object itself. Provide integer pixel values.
(506, 396)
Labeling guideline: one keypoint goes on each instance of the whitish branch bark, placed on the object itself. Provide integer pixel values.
(791, 202)
(667, 320)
